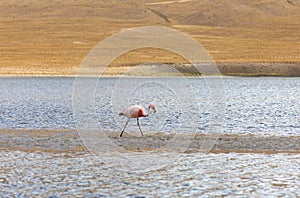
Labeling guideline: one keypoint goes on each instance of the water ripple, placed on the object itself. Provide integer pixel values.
(256, 105)
(208, 175)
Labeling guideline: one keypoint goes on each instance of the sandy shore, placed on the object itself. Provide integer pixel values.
(226, 69)
(69, 141)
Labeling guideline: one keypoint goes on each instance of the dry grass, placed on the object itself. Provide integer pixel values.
(53, 37)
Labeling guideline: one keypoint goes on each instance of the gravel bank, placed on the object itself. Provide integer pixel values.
(69, 141)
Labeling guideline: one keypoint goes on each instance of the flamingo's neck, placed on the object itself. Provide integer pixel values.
(148, 112)
(141, 113)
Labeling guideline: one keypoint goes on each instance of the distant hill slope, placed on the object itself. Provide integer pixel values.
(54, 36)
(186, 12)
(231, 12)
(43, 9)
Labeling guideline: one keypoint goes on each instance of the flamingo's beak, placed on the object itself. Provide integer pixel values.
(152, 107)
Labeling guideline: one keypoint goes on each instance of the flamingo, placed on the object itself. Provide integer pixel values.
(136, 111)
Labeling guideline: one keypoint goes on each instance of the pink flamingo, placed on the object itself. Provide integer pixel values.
(136, 111)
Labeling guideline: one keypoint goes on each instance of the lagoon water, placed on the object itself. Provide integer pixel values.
(232, 105)
(192, 175)
(239, 105)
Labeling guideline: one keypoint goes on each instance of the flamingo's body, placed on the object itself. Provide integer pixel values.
(136, 111)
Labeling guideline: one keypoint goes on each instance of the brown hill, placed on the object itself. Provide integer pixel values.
(54, 36)
(231, 13)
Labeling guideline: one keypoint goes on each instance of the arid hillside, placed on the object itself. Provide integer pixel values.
(52, 37)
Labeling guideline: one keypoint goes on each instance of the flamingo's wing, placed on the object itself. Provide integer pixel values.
(134, 111)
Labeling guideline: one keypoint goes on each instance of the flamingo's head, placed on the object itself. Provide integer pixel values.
(151, 106)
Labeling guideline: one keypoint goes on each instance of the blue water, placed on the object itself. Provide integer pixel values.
(256, 105)
(243, 105)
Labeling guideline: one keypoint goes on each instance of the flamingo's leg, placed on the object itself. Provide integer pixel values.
(121, 134)
(139, 126)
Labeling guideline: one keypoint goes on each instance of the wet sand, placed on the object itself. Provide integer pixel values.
(69, 141)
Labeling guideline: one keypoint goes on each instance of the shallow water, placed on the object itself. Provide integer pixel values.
(260, 106)
(255, 105)
(170, 175)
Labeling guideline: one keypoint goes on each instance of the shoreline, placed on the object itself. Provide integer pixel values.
(136, 76)
(234, 69)
(68, 141)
